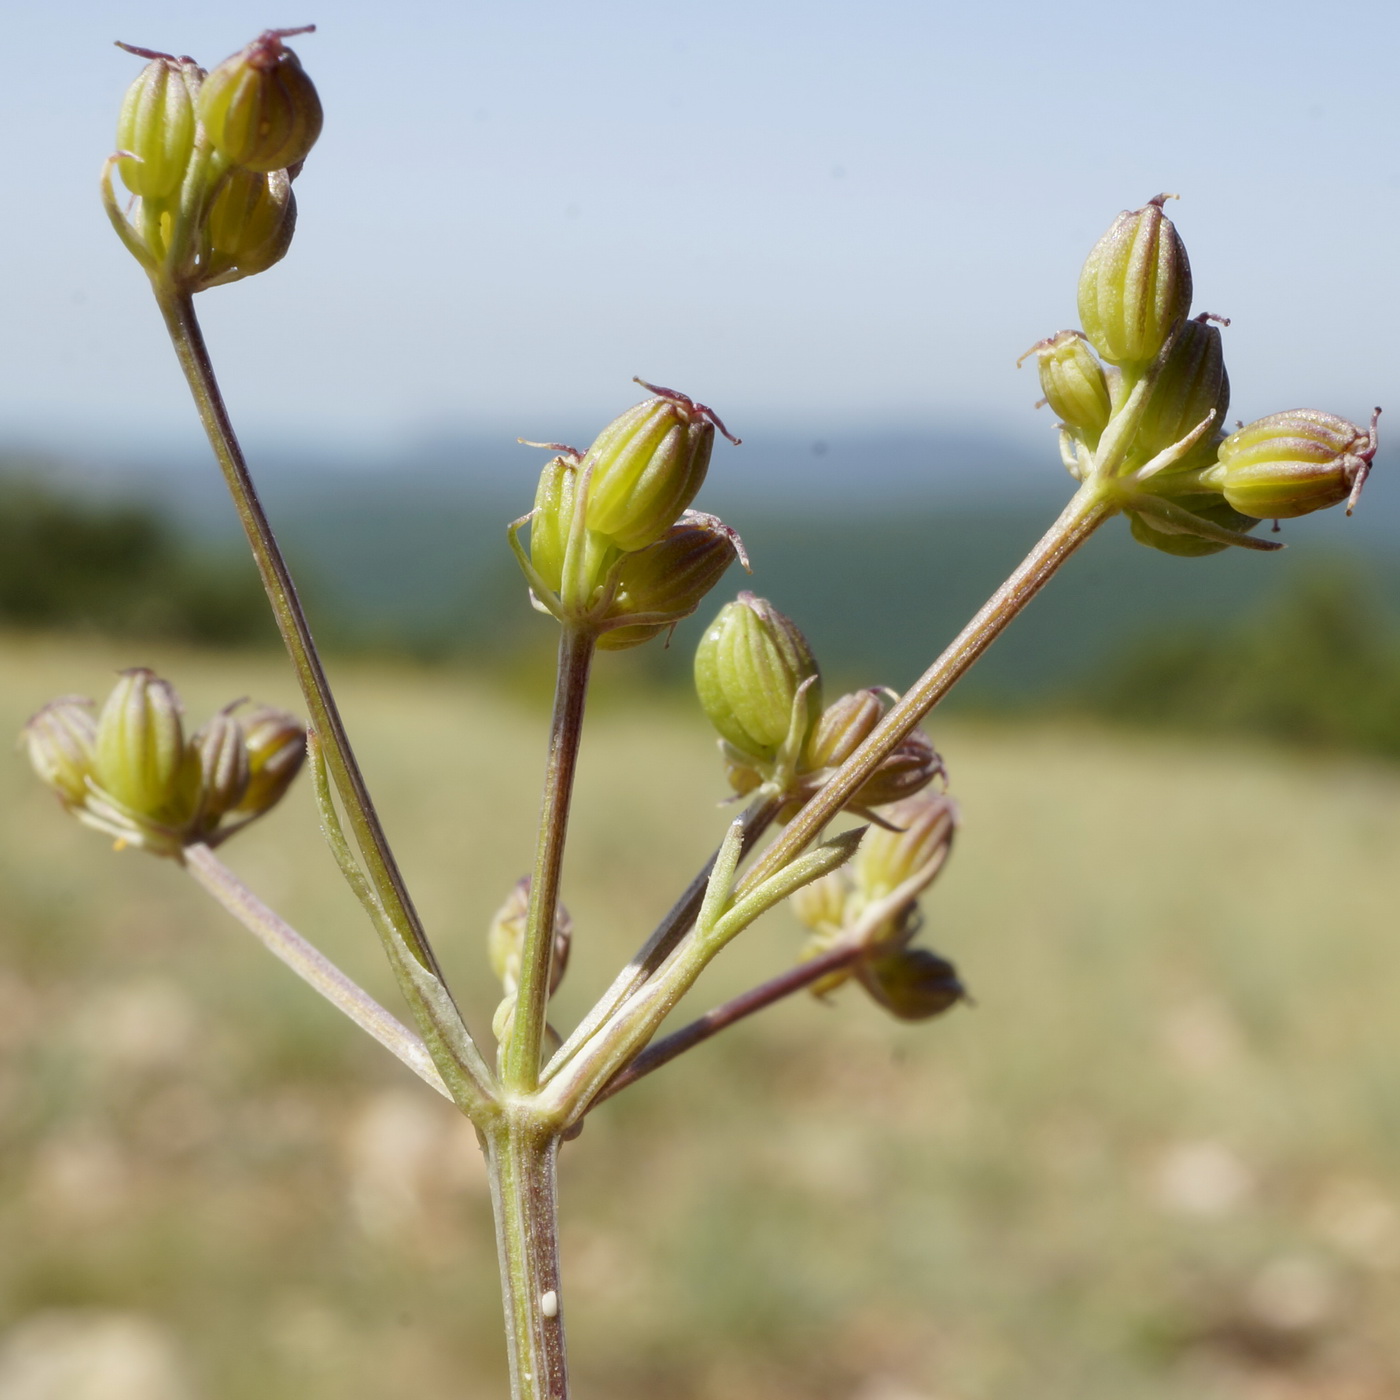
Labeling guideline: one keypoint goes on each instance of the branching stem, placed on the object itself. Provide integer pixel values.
(521, 1122)
(795, 979)
(627, 1031)
(667, 934)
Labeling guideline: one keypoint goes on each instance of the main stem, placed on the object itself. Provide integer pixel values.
(521, 1156)
(520, 1070)
(178, 309)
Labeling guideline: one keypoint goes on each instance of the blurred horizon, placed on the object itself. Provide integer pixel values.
(880, 546)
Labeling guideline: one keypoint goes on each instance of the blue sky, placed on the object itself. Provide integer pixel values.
(859, 215)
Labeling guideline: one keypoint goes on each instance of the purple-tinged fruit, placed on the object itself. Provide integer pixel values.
(60, 740)
(646, 466)
(1294, 463)
(276, 744)
(258, 108)
(658, 586)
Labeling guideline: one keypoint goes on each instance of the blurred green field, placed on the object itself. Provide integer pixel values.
(1159, 1159)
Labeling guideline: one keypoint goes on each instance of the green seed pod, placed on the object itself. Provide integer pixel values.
(1135, 289)
(258, 108)
(667, 580)
(156, 126)
(60, 740)
(276, 744)
(645, 467)
(1211, 507)
(842, 729)
(224, 767)
(505, 939)
(1294, 463)
(553, 518)
(250, 225)
(1192, 384)
(1073, 383)
(914, 851)
(913, 984)
(749, 668)
(909, 768)
(140, 756)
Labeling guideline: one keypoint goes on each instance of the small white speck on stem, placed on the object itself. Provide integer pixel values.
(549, 1304)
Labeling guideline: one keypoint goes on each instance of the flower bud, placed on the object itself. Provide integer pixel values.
(224, 767)
(666, 580)
(908, 768)
(1192, 384)
(645, 467)
(140, 757)
(1135, 289)
(156, 127)
(913, 984)
(276, 745)
(60, 741)
(750, 666)
(1073, 383)
(842, 728)
(505, 939)
(250, 226)
(1294, 463)
(913, 851)
(258, 108)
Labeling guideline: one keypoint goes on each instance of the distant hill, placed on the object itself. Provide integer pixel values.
(879, 544)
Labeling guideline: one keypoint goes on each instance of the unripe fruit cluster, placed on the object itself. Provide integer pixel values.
(613, 545)
(130, 771)
(210, 158)
(1142, 396)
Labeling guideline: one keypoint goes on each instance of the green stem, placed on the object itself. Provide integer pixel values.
(178, 310)
(177, 307)
(795, 979)
(757, 818)
(521, 1157)
(568, 1096)
(520, 1070)
(1090, 506)
(309, 963)
(631, 1026)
